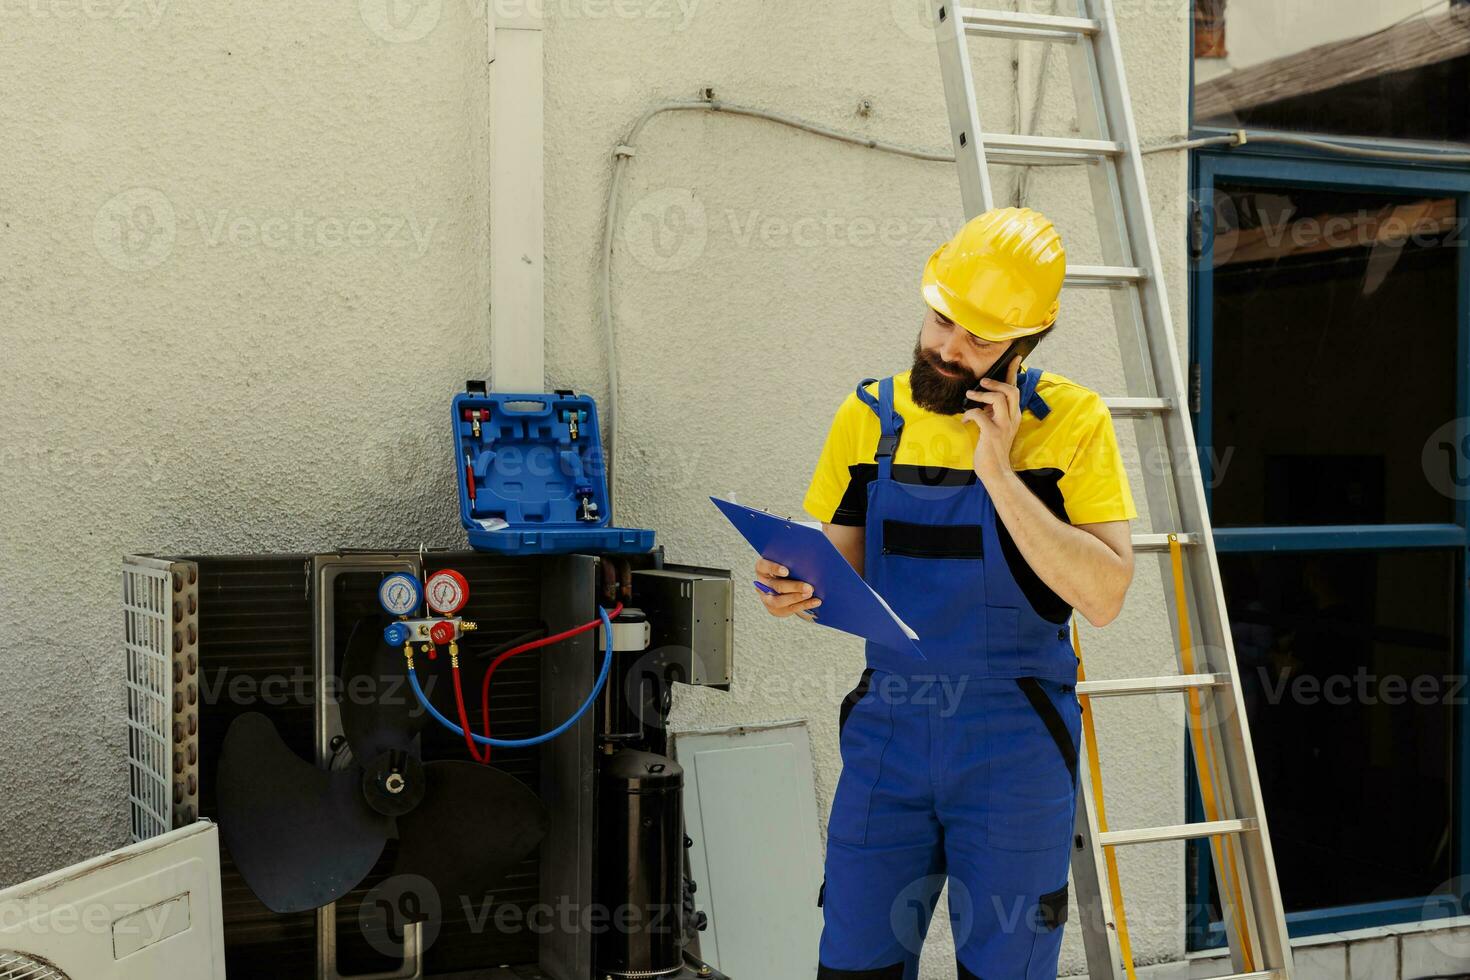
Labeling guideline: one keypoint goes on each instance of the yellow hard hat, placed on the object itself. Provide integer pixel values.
(1000, 275)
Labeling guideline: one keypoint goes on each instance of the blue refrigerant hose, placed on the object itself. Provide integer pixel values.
(518, 743)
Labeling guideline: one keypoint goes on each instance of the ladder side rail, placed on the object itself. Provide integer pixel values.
(1099, 920)
(964, 113)
(1118, 246)
(1202, 566)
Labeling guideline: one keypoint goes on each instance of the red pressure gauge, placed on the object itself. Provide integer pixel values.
(446, 592)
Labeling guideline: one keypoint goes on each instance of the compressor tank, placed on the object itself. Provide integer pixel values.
(640, 865)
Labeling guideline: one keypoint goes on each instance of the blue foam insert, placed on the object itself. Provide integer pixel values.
(529, 471)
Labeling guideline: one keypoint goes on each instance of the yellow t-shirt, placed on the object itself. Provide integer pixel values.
(1069, 459)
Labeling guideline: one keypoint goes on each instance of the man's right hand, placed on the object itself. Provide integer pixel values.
(793, 598)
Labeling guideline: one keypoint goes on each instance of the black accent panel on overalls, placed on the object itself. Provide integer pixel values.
(1053, 721)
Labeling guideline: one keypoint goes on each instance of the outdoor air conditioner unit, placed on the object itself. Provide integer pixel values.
(210, 639)
(147, 911)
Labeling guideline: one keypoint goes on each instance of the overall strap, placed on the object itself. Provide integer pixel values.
(889, 421)
(1026, 381)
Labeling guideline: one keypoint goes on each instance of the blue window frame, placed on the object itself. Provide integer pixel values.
(1265, 165)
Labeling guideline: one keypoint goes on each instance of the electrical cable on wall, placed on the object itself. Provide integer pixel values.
(1241, 137)
(623, 151)
(627, 147)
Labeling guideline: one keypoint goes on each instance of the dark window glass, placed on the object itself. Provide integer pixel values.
(1347, 663)
(1333, 355)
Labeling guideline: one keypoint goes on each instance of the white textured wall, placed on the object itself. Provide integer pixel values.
(217, 381)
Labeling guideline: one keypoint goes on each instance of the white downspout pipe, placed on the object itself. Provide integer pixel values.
(517, 195)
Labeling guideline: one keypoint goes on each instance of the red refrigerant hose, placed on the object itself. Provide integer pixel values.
(464, 723)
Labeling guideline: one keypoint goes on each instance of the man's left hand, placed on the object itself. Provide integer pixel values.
(998, 416)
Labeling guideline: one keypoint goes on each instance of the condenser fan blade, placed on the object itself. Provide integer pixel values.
(474, 823)
(301, 836)
(379, 710)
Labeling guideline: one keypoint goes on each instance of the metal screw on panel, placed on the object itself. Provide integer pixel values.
(865, 107)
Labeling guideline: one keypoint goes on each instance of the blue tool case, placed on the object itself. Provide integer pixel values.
(535, 463)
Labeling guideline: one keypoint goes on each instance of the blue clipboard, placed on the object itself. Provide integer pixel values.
(848, 604)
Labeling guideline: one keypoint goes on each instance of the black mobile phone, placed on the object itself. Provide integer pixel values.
(1002, 365)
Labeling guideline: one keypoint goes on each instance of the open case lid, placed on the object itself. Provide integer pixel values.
(531, 474)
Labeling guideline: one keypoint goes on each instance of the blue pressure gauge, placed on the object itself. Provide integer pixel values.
(400, 594)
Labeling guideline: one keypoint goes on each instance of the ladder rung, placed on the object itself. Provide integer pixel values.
(1151, 685)
(1104, 276)
(1160, 542)
(1138, 407)
(1036, 27)
(1011, 148)
(1182, 831)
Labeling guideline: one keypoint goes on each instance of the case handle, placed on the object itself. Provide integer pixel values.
(514, 408)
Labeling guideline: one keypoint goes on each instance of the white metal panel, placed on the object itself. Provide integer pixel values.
(147, 911)
(751, 808)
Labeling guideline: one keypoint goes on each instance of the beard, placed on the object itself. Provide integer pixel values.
(940, 393)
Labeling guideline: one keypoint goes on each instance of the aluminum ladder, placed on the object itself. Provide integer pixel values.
(1208, 680)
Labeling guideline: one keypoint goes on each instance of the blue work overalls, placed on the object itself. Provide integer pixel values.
(961, 766)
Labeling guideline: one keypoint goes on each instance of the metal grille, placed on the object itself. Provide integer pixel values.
(148, 641)
(161, 640)
(18, 966)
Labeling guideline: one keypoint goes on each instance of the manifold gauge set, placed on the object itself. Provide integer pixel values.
(445, 593)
